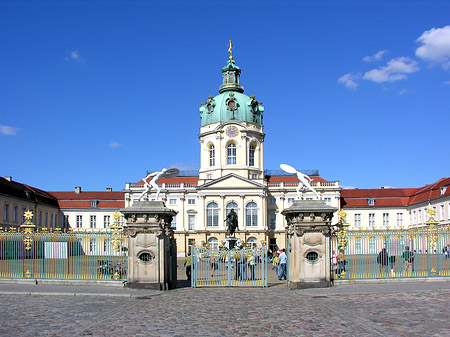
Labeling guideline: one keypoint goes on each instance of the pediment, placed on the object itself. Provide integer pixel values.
(231, 181)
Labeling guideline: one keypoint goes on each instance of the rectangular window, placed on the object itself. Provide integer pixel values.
(79, 221)
(191, 201)
(94, 203)
(65, 221)
(92, 245)
(371, 219)
(327, 200)
(358, 220)
(106, 221)
(46, 219)
(174, 222)
(106, 245)
(23, 213)
(51, 220)
(254, 176)
(399, 219)
(231, 151)
(40, 218)
(15, 213)
(272, 201)
(385, 219)
(442, 213)
(414, 217)
(358, 246)
(93, 221)
(290, 200)
(6, 213)
(371, 201)
(172, 201)
(191, 222)
(272, 221)
(209, 176)
(372, 246)
(419, 216)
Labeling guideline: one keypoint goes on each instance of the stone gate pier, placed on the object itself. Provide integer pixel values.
(152, 253)
(308, 236)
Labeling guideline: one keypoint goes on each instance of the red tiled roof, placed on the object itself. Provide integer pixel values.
(394, 196)
(378, 202)
(87, 204)
(429, 192)
(377, 193)
(103, 195)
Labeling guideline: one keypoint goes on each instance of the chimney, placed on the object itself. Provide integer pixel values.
(9, 178)
(78, 189)
(109, 189)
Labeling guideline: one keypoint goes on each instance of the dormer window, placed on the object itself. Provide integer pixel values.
(371, 201)
(94, 203)
(443, 190)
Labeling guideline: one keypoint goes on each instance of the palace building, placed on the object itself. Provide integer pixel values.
(232, 176)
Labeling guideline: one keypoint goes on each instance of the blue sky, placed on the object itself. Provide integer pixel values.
(94, 93)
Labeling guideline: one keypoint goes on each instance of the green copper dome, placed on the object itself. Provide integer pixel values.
(231, 104)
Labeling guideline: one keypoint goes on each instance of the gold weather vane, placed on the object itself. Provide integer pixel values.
(230, 50)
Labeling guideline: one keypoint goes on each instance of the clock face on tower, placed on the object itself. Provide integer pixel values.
(232, 131)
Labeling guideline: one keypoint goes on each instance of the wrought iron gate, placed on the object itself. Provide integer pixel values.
(229, 268)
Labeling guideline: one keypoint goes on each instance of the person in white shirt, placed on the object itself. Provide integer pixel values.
(283, 261)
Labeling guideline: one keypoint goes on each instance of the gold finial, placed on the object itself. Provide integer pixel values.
(230, 50)
(28, 215)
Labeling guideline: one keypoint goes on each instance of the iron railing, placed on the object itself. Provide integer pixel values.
(83, 255)
(229, 268)
(412, 253)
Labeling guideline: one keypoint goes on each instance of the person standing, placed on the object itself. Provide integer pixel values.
(283, 261)
(383, 260)
(341, 261)
(187, 264)
(251, 265)
(408, 259)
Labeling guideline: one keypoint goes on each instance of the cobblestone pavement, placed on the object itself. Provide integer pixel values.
(409, 309)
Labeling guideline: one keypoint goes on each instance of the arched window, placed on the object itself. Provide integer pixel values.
(251, 214)
(214, 243)
(231, 206)
(212, 215)
(212, 156)
(231, 154)
(251, 242)
(251, 156)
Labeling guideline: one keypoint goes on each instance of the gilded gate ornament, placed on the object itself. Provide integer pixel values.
(28, 227)
(116, 231)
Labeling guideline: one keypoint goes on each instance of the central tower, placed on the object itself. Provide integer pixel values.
(231, 132)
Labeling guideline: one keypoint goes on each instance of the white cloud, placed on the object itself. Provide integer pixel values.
(74, 55)
(395, 70)
(376, 57)
(114, 144)
(403, 91)
(446, 82)
(8, 130)
(435, 46)
(349, 80)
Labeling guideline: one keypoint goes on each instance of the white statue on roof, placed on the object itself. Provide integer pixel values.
(304, 179)
(164, 173)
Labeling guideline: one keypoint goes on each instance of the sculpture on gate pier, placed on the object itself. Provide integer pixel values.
(304, 179)
(164, 173)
